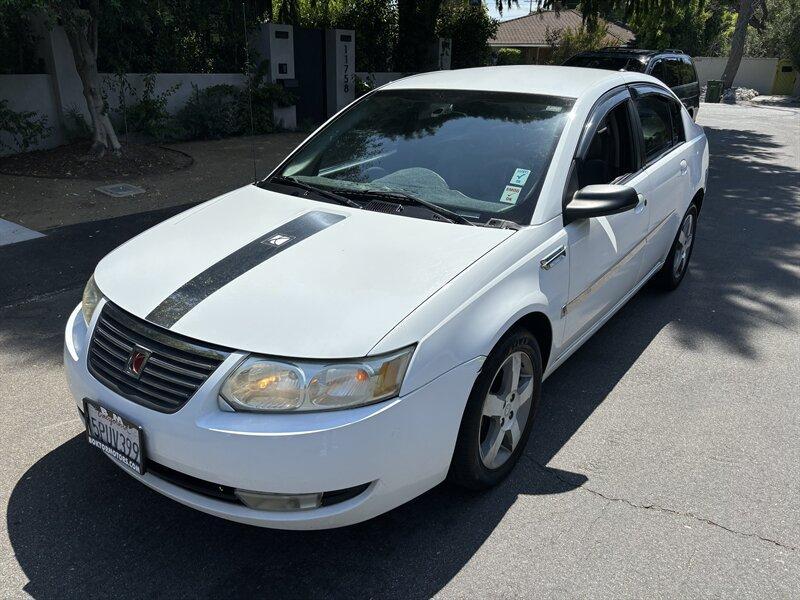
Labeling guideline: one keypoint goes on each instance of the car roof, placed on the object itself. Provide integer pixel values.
(569, 82)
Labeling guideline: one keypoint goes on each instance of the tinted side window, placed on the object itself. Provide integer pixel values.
(678, 134)
(654, 114)
(674, 69)
(659, 71)
(690, 75)
(611, 152)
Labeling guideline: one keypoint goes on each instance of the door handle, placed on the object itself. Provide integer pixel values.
(684, 167)
(641, 206)
(555, 256)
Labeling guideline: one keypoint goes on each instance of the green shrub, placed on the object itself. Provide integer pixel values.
(363, 86)
(75, 126)
(470, 28)
(224, 110)
(143, 112)
(565, 43)
(26, 127)
(509, 56)
(211, 113)
(264, 96)
(148, 114)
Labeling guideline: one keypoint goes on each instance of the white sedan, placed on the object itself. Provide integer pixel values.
(379, 313)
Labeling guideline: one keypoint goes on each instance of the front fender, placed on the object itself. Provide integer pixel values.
(467, 317)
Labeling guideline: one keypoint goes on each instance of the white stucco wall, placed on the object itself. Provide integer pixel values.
(38, 93)
(755, 73)
(35, 93)
(164, 81)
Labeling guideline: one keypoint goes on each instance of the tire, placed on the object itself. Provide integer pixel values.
(473, 465)
(670, 275)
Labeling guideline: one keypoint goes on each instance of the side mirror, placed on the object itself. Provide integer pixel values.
(600, 200)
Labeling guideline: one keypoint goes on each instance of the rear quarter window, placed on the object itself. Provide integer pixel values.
(656, 120)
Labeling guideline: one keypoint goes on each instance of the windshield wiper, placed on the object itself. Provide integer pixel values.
(411, 199)
(291, 181)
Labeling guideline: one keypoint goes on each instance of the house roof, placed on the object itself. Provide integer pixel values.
(531, 30)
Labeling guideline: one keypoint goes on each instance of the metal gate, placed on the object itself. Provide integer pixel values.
(309, 64)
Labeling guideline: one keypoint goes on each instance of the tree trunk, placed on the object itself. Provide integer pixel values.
(737, 43)
(85, 53)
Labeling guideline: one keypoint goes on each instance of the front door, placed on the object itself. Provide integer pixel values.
(605, 252)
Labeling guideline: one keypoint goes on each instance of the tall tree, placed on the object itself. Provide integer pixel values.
(416, 21)
(417, 29)
(470, 28)
(748, 13)
(698, 27)
(81, 21)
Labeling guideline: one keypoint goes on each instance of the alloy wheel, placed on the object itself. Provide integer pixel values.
(684, 248)
(506, 410)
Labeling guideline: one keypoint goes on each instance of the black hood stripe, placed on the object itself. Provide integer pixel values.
(220, 274)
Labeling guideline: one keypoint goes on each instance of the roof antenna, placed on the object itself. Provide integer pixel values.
(249, 91)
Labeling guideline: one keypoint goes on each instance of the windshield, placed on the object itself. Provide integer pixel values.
(479, 154)
(612, 63)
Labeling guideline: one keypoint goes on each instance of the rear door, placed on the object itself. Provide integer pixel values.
(605, 252)
(665, 156)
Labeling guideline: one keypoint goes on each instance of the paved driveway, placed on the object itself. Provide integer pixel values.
(664, 461)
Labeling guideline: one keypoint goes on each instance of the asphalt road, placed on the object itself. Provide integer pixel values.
(664, 462)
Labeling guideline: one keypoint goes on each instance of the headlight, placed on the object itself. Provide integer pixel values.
(262, 384)
(265, 385)
(91, 298)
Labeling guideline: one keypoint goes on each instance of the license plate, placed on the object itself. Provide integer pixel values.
(119, 438)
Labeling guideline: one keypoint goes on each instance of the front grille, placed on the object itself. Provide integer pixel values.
(176, 368)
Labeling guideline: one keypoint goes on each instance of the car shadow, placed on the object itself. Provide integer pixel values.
(81, 527)
(78, 523)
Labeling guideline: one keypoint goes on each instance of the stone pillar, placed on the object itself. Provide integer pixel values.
(275, 42)
(340, 59)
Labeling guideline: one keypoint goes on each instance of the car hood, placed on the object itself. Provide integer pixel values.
(266, 272)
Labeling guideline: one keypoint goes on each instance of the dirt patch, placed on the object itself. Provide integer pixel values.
(71, 162)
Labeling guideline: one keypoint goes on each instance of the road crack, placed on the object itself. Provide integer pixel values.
(662, 509)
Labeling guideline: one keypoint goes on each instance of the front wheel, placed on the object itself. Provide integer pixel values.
(499, 414)
(671, 274)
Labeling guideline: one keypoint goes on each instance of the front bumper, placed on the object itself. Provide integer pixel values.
(402, 447)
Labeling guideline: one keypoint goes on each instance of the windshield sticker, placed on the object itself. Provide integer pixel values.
(510, 194)
(520, 176)
(554, 109)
